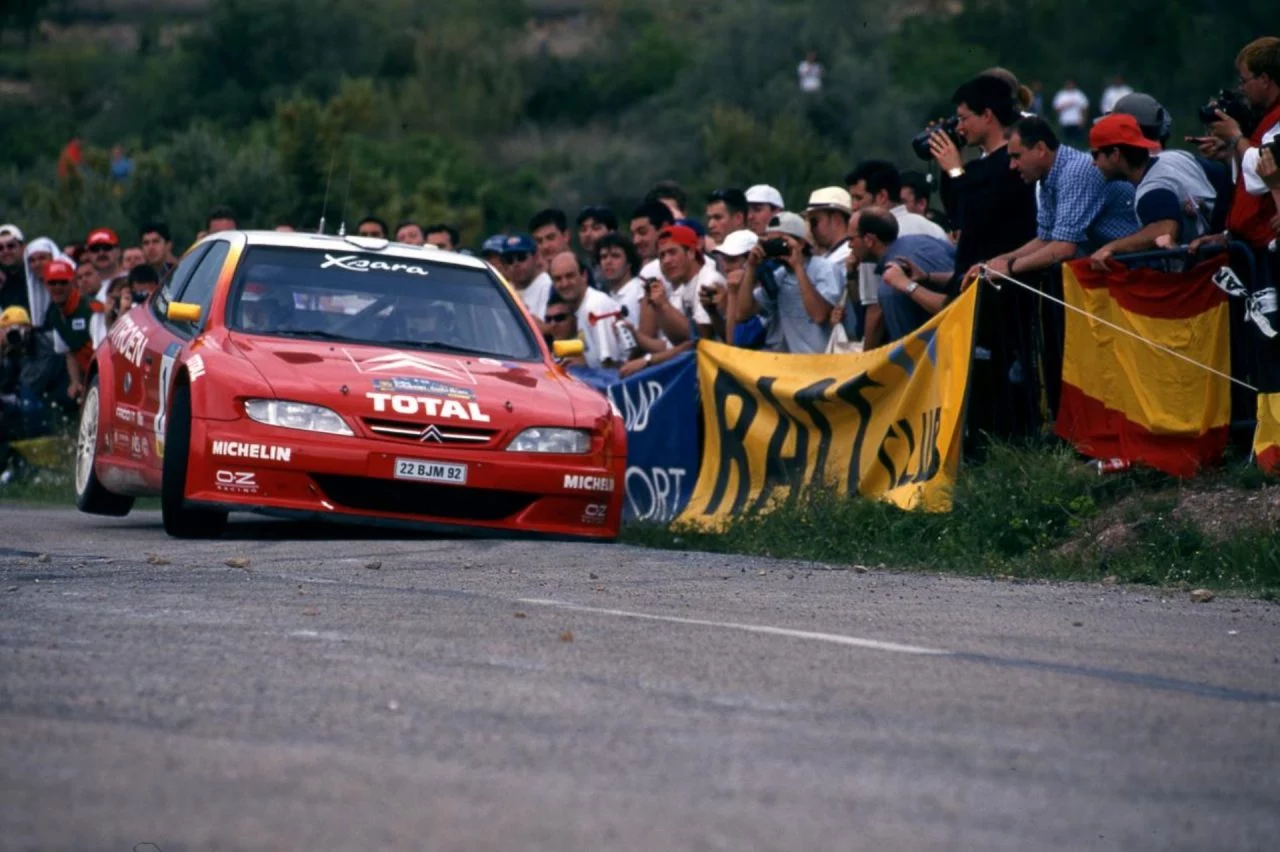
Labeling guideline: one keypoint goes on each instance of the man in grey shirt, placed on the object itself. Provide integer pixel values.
(799, 296)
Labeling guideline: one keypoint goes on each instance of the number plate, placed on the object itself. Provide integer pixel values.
(431, 471)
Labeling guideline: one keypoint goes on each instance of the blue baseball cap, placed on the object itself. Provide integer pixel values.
(519, 244)
(693, 225)
(494, 244)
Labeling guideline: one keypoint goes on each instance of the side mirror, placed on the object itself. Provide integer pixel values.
(183, 312)
(568, 348)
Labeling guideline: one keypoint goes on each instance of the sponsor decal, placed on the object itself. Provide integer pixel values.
(431, 406)
(124, 415)
(128, 340)
(244, 450)
(240, 481)
(166, 379)
(195, 367)
(578, 482)
(355, 263)
(406, 362)
(138, 446)
(414, 384)
(595, 513)
(77, 324)
(128, 382)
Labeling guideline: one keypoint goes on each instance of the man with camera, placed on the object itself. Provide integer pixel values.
(904, 268)
(13, 272)
(804, 290)
(995, 212)
(30, 373)
(1252, 207)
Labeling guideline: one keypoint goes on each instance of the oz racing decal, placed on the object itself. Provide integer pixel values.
(577, 482)
(431, 406)
(595, 514)
(239, 481)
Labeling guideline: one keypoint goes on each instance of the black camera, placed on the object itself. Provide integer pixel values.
(920, 142)
(16, 337)
(1230, 102)
(775, 247)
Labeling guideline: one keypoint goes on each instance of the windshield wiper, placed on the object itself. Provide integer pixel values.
(438, 344)
(314, 333)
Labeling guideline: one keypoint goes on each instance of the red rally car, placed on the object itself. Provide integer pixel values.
(344, 378)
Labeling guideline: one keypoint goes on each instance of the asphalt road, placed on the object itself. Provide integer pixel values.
(500, 695)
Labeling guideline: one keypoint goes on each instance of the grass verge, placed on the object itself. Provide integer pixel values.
(1033, 512)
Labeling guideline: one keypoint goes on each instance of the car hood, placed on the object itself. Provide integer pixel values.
(408, 384)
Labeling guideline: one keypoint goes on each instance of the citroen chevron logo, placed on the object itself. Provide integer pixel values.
(405, 362)
(431, 433)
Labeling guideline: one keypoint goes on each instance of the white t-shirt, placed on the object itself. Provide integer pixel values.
(1111, 94)
(1070, 105)
(630, 295)
(685, 298)
(600, 338)
(810, 76)
(535, 296)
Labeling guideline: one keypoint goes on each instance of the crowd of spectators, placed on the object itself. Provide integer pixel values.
(861, 263)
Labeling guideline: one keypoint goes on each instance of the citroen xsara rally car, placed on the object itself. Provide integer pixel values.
(321, 377)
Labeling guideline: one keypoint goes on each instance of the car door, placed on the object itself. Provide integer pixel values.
(164, 347)
(133, 342)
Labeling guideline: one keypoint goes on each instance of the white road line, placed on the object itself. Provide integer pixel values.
(833, 638)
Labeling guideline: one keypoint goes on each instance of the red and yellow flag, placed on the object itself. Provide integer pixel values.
(1266, 440)
(1123, 398)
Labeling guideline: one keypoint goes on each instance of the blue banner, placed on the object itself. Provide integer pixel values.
(660, 407)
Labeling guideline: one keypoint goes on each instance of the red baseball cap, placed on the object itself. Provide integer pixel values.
(59, 270)
(99, 236)
(681, 235)
(1119, 129)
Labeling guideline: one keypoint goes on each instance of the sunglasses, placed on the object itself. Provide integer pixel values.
(52, 281)
(10, 246)
(558, 317)
(100, 247)
(517, 257)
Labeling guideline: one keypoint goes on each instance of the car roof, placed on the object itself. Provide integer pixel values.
(351, 242)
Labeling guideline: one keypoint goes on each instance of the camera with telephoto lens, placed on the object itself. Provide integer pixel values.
(1230, 102)
(775, 247)
(16, 338)
(920, 142)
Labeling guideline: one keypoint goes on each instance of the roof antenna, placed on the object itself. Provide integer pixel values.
(325, 206)
(346, 195)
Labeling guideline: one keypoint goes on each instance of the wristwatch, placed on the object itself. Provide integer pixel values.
(956, 172)
(648, 357)
(912, 287)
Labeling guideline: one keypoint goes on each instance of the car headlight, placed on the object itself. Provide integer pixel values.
(545, 440)
(296, 415)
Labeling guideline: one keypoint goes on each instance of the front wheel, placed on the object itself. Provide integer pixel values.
(179, 521)
(92, 496)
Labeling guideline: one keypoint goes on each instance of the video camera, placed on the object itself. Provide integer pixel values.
(920, 142)
(1233, 104)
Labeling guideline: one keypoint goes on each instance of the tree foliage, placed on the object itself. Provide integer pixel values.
(479, 112)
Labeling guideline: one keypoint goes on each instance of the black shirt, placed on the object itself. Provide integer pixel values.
(992, 206)
(13, 291)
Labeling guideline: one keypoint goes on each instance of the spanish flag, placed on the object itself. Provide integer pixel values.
(1123, 398)
(1266, 440)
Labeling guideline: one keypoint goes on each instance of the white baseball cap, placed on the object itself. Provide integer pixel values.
(738, 243)
(10, 230)
(831, 198)
(762, 193)
(791, 224)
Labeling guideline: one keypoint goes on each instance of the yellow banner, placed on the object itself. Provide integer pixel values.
(885, 424)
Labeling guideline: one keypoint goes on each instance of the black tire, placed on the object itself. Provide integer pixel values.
(92, 496)
(179, 521)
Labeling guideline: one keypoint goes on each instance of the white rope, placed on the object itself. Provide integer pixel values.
(989, 271)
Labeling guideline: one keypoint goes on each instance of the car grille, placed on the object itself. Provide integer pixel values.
(418, 498)
(429, 433)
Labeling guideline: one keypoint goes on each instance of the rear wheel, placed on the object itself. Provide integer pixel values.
(91, 495)
(179, 521)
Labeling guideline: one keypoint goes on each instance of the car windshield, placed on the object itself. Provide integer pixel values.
(364, 297)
